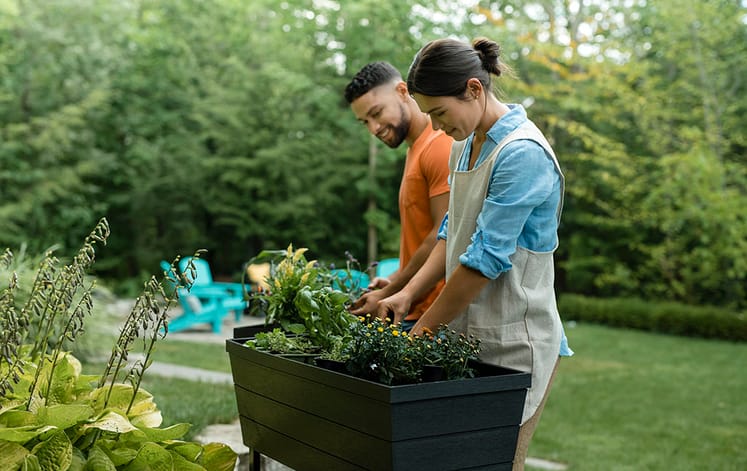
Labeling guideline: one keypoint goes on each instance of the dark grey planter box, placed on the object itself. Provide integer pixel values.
(310, 418)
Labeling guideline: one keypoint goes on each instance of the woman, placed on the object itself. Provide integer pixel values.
(497, 240)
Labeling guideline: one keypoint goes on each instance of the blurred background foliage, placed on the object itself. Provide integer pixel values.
(221, 125)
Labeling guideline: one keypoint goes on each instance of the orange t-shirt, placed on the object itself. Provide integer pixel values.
(426, 175)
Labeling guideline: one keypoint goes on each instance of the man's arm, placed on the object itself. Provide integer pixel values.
(438, 207)
(368, 302)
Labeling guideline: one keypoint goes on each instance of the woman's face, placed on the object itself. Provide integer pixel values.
(457, 117)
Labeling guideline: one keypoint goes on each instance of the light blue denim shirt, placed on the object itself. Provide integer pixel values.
(521, 204)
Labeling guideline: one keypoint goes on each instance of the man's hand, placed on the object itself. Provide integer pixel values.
(367, 304)
(378, 283)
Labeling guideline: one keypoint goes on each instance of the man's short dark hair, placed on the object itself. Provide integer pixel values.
(370, 76)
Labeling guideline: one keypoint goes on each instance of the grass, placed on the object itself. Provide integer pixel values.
(209, 356)
(632, 400)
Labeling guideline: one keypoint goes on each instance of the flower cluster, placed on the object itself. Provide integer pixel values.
(450, 350)
(382, 352)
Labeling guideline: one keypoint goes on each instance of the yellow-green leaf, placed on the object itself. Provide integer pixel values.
(11, 455)
(218, 457)
(174, 432)
(55, 453)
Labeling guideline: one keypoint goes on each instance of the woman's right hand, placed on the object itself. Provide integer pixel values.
(395, 307)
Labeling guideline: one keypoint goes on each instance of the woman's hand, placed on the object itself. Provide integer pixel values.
(395, 307)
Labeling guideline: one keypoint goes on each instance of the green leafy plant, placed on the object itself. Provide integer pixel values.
(301, 299)
(277, 341)
(53, 417)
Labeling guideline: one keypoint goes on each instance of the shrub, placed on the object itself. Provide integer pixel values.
(665, 317)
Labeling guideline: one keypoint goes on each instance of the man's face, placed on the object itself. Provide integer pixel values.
(384, 114)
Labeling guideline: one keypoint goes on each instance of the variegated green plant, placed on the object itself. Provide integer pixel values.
(53, 417)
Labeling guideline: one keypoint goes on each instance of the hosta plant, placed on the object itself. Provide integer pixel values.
(55, 418)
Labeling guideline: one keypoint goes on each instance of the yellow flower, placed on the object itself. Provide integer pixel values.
(297, 255)
(310, 265)
(395, 333)
(361, 318)
(277, 283)
(304, 277)
(380, 329)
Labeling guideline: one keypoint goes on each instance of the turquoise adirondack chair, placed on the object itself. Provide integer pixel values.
(206, 302)
(386, 267)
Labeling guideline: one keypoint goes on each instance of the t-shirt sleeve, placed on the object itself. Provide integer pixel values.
(434, 164)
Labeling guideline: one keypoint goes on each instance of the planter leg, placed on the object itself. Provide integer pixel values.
(255, 460)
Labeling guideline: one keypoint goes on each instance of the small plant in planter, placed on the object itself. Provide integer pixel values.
(382, 352)
(449, 350)
(277, 341)
(53, 417)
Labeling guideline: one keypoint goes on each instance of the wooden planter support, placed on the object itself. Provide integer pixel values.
(310, 418)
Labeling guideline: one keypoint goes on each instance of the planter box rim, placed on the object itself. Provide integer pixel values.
(502, 379)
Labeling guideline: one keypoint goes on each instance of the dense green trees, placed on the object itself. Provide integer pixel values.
(222, 125)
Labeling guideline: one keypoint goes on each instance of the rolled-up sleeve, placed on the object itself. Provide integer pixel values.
(522, 179)
(443, 228)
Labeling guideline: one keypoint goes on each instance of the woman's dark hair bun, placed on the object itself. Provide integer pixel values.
(489, 52)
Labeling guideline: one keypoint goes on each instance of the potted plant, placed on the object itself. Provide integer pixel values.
(296, 412)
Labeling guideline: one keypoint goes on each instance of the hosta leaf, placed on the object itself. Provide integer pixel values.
(150, 419)
(190, 450)
(218, 457)
(56, 453)
(151, 457)
(18, 418)
(182, 464)
(23, 434)
(79, 461)
(30, 463)
(65, 415)
(98, 460)
(174, 432)
(11, 455)
(112, 422)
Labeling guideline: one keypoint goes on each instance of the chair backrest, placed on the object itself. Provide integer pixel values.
(351, 279)
(203, 275)
(386, 267)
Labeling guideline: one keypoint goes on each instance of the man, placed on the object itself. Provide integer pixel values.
(379, 99)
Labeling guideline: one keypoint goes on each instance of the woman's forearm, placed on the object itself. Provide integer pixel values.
(462, 287)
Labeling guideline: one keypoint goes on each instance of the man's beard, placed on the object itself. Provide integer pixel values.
(399, 132)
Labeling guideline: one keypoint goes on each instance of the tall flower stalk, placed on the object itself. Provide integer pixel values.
(53, 302)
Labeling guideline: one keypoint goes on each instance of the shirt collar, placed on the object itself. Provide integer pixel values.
(516, 116)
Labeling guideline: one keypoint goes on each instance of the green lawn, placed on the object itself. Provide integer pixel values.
(209, 356)
(627, 400)
(631, 400)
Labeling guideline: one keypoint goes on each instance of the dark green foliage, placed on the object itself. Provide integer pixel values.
(665, 317)
(122, 109)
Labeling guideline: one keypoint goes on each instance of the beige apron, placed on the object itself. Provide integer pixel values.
(515, 316)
